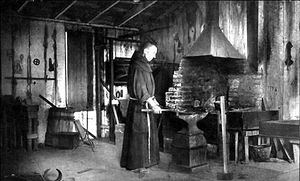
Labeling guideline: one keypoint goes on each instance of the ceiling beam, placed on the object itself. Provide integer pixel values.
(23, 6)
(142, 32)
(133, 13)
(169, 10)
(75, 23)
(105, 10)
(66, 9)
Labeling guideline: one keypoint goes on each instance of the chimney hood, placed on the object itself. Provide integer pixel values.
(212, 41)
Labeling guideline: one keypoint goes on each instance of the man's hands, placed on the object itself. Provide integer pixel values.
(154, 105)
(156, 110)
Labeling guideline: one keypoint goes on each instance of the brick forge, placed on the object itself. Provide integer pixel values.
(197, 85)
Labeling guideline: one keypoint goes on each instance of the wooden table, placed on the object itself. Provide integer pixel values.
(280, 130)
(246, 123)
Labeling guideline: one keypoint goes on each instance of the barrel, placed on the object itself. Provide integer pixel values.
(60, 120)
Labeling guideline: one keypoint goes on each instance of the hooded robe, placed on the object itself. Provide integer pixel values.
(140, 145)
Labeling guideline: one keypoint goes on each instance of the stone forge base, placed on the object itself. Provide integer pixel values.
(189, 151)
(185, 169)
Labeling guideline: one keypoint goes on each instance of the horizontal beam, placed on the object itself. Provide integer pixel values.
(143, 32)
(123, 39)
(74, 23)
(30, 78)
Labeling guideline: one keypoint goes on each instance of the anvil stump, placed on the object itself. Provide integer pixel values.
(189, 144)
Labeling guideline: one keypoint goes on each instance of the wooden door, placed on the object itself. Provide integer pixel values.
(80, 70)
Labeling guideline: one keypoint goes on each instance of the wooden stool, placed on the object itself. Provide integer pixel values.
(32, 127)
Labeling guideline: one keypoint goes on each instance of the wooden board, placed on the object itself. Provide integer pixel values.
(284, 129)
(249, 119)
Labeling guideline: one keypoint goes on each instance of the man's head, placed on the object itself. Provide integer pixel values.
(149, 51)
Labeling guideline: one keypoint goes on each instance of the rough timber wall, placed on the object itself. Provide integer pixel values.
(233, 23)
(184, 28)
(279, 23)
(22, 42)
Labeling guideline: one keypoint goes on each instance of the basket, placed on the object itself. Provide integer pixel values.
(260, 153)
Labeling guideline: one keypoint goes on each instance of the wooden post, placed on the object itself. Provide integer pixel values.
(111, 91)
(29, 141)
(32, 134)
(224, 140)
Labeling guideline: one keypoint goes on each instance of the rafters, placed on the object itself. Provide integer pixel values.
(105, 10)
(131, 14)
(22, 6)
(66, 9)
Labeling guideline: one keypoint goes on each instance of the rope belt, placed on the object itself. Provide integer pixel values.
(149, 137)
(149, 128)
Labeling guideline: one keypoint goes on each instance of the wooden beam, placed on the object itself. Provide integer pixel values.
(104, 11)
(22, 6)
(171, 9)
(133, 13)
(75, 23)
(143, 32)
(66, 9)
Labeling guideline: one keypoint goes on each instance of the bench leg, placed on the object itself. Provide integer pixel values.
(236, 146)
(259, 140)
(268, 140)
(246, 149)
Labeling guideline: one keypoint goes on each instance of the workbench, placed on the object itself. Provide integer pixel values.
(281, 130)
(246, 124)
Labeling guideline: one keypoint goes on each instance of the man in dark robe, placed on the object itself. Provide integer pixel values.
(140, 145)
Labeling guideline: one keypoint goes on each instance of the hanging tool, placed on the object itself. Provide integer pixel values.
(29, 80)
(45, 44)
(46, 100)
(55, 61)
(225, 175)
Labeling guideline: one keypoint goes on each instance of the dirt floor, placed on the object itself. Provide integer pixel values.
(82, 164)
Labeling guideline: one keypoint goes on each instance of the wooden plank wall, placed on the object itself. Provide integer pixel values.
(22, 41)
(80, 70)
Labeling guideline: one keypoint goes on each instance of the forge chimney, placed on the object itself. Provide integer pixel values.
(212, 41)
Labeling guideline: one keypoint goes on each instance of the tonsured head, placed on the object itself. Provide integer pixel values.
(150, 51)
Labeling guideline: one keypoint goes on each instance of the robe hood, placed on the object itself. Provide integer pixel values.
(140, 61)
